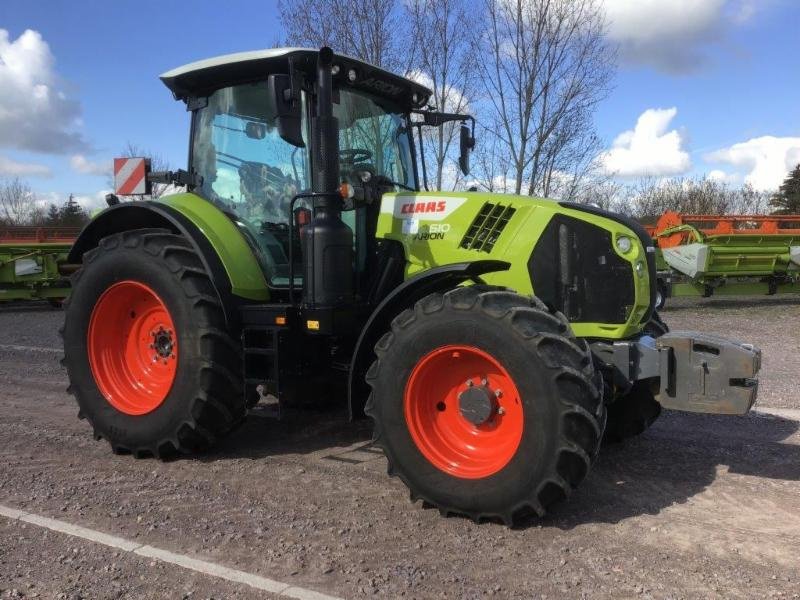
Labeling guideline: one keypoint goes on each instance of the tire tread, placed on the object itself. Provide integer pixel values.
(547, 335)
(208, 415)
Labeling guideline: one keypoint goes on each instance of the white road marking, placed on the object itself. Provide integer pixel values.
(258, 582)
(788, 413)
(16, 348)
(78, 531)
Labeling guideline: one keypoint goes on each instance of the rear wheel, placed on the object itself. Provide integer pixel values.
(499, 415)
(149, 359)
(634, 413)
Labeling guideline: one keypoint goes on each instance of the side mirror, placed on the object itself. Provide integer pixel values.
(255, 131)
(288, 116)
(467, 143)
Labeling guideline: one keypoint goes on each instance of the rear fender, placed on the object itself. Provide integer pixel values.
(143, 215)
(439, 279)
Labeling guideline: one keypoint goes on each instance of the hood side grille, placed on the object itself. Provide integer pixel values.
(487, 227)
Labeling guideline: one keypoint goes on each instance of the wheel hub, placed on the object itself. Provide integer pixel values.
(477, 404)
(463, 411)
(163, 343)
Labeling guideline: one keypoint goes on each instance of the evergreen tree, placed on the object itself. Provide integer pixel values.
(787, 200)
(53, 215)
(72, 215)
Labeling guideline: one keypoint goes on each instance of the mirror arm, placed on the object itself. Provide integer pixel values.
(180, 178)
(422, 157)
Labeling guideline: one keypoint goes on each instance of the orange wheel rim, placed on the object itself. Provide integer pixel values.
(133, 348)
(463, 411)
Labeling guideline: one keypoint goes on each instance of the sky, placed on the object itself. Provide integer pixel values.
(704, 87)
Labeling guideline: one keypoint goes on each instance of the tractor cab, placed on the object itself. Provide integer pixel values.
(250, 146)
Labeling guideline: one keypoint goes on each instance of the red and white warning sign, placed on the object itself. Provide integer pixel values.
(130, 176)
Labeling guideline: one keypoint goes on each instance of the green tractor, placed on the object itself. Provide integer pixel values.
(493, 339)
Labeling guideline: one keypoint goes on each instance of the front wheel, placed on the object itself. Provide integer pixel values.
(149, 360)
(634, 413)
(498, 414)
(661, 294)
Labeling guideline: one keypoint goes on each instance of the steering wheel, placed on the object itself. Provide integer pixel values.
(355, 155)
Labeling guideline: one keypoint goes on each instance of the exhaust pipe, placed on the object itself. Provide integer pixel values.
(325, 130)
(327, 241)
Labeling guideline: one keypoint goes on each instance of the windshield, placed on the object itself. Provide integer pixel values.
(374, 138)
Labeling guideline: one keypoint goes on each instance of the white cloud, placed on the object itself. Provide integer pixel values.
(648, 148)
(671, 35)
(767, 159)
(35, 114)
(724, 177)
(91, 202)
(13, 168)
(83, 165)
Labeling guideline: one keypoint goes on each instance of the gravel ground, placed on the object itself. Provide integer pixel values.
(697, 507)
(77, 569)
(770, 322)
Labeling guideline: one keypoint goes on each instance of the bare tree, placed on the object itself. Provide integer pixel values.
(446, 64)
(17, 202)
(371, 30)
(589, 184)
(649, 198)
(545, 65)
(750, 201)
(157, 163)
(491, 163)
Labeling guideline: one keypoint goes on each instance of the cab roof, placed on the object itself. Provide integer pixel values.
(202, 77)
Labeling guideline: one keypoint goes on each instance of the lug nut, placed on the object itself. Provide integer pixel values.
(501, 410)
(469, 383)
(484, 381)
(498, 393)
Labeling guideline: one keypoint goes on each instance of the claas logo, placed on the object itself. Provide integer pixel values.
(413, 208)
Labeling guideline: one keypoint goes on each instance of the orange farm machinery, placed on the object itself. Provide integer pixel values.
(705, 255)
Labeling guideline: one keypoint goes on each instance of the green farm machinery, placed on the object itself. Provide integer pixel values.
(494, 340)
(708, 255)
(30, 262)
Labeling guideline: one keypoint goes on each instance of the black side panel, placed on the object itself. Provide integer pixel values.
(643, 236)
(404, 296)
(140, 215)
(385, 271)
(574, 269)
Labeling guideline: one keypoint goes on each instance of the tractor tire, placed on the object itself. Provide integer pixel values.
(516, 439)
(632, 414)
(661, 294)
(656, 327)
(636, 411)
(149, 359)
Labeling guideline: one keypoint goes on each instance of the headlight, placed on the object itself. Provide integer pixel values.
(624, 244)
